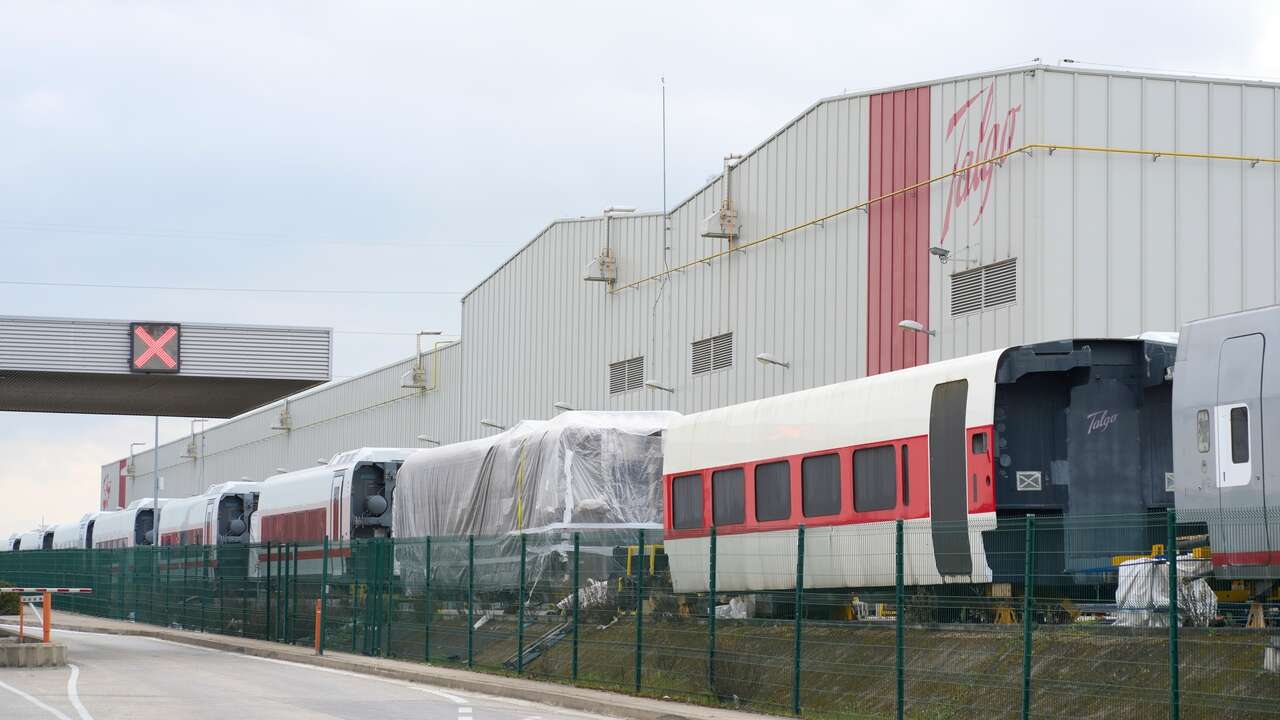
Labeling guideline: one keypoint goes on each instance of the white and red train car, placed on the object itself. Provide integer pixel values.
(348, 499)
(221, 515)
(954, 449)
(133, 526)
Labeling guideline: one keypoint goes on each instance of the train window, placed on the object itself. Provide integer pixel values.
(1239, 435)
(980, 444)
(820, 485)
(728, 497)
(686, 502)
(1202, 431)
(906, 481)
(773, 491)
(875, 478)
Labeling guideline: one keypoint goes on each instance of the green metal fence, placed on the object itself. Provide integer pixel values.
(1045, 634)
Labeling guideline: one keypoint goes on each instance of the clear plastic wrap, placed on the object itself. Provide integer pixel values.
(581, 471)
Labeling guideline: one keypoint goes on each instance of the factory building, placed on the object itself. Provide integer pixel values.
(1016, 206)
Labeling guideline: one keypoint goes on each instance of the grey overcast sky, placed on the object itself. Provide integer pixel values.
(416, 145)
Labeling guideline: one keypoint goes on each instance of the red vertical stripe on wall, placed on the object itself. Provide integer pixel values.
(124, 469)
(898, 230)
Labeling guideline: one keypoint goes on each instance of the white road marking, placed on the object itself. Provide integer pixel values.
(73, 695)
(52, 711)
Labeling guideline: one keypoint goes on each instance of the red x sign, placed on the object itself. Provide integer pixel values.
(155, 347)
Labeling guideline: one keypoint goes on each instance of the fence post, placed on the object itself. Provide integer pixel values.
(799, 621)
(1171, 552)
(266, 611)
(471, 597)
(293, 596)
(324, 593)
(1028, 619)
(389, 592)
(898, 613)
(640, 610)
(520, 610)
(577, 602)
(426, 602)
(711, 615)
(355, 589)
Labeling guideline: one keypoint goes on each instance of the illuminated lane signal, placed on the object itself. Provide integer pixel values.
(156, 347)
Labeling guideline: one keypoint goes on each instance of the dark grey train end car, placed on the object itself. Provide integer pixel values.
(1082, 433)
(1226, 410)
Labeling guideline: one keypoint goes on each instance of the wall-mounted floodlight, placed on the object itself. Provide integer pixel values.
(562, 405)
(492, 424)
(767, 359)
(429, 441)
(321, 461)
(944, 256)
(656, 386)
(914, 326)
(281, 471)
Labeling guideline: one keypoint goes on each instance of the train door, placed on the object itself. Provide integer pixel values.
(209, 538)
(948, 478)
(1238, 433)
(335, 508)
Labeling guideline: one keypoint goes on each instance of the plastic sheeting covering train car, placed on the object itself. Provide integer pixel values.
(595, 472)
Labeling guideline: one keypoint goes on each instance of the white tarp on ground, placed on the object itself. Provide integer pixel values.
(588, 471)
(1142, 595)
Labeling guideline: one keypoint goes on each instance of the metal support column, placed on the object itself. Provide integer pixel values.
(799, 622)
(1028, 611)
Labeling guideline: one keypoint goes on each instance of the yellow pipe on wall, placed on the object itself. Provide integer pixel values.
(998, 160)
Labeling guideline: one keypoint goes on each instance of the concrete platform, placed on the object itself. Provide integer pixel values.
(14, 654)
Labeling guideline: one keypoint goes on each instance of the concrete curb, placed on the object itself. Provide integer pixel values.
(626, 707)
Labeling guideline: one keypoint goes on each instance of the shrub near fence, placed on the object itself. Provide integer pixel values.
(597, 609)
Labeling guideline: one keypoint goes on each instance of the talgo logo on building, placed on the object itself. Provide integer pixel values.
(993, 139)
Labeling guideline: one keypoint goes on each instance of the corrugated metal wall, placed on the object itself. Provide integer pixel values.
(369, 410)
(1104, 245)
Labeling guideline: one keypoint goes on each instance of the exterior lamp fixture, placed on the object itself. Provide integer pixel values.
(429, 441)
(944, 256)
(281, 471)
(321, 461)
(492, 424)
(130, 470)
(656, 386)
(914, 326)
(562, 405)
(767, 359)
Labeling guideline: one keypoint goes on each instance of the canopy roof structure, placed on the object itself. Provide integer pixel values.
(121, 367)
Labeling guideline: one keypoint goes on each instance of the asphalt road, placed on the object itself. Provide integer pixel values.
(134, 678)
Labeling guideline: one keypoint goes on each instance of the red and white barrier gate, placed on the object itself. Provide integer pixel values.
(46, 603)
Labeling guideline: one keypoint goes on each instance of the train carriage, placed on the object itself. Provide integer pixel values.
(66, 536)
(133, 526)
(30, 540)
(1225, 400)
(349, 498)
(955, 449)
(217, 522)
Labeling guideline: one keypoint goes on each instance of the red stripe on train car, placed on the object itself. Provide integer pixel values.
(1255, 557)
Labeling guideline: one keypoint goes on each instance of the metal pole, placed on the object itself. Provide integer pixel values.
(1028, 614)
(899, 620)
(799, 622)
(520, 610)
(48, 616)
(1171, 552)
(268, 609)
(426, 602)
(324, 596)
(577, 544)
(640, 611)
(155, 482)
(293, 597)
(471, 594)
(711, 616)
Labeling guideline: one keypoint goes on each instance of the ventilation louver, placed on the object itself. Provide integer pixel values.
(626, 375)
(984, 287)
(713, 353)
